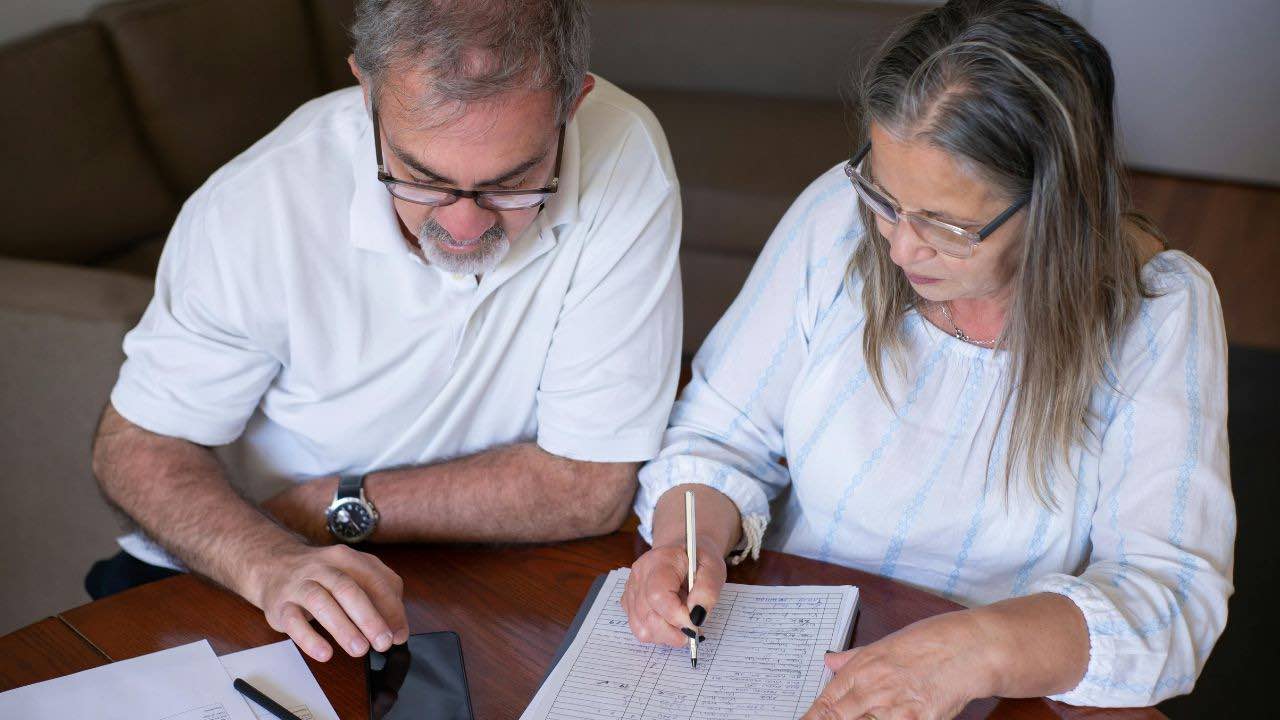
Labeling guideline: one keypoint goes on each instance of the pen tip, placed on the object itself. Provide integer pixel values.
(694, 663)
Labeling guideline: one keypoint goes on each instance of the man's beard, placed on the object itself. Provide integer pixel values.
(485, 253)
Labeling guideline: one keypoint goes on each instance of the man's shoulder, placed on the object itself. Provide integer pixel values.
(617, 128)
(314, 142)
(297, 181)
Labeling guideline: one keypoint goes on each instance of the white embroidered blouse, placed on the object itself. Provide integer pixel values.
(1143, 538)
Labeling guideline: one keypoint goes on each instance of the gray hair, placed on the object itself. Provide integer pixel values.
(1020, 93)
(471, 50)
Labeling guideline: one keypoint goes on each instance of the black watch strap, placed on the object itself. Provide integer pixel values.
(349, 486)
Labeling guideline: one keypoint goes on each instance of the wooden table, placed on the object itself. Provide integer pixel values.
(512, 607)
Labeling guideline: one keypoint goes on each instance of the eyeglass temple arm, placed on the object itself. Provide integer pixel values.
(991, 226)
(377, 139)
(858, 156)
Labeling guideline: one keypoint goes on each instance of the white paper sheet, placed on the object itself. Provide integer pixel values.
(182, 683)
(279, 671)
(763, 659)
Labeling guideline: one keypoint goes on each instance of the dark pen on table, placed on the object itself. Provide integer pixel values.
(260, 698)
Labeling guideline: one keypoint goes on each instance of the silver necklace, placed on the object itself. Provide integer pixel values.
(958, 333)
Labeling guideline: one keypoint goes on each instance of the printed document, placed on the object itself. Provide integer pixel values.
(762, 659)
(182, 683)
(279, 671)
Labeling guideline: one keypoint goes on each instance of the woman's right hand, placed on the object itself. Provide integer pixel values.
(654, 597)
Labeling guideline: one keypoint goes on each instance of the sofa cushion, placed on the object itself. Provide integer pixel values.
(711, 281)
(210, 77)
(743, 160)
(140, 259)
(332, 20)
(80, 184)
(754, 47)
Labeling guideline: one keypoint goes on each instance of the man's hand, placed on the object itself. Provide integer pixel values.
(301, 508)
(177, 492)
(353, 595)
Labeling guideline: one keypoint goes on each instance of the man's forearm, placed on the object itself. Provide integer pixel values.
(518, 493)
(177, 492)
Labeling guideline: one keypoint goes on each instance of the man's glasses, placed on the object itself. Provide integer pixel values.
(439, 195)
(943, 237)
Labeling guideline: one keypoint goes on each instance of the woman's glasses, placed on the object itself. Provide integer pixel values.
(943, 237)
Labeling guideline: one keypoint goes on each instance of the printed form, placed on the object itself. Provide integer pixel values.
(763, 658)
(279, 671)
(182, 683)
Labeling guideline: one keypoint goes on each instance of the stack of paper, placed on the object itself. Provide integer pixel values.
(182, 683)
(763, 658)
(279, 671)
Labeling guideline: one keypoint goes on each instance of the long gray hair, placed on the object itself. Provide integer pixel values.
(1021, 94)
(471, 50)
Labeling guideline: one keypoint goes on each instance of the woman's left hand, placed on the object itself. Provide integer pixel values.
(927, 671)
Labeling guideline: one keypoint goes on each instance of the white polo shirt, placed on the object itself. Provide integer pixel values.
(289, 309)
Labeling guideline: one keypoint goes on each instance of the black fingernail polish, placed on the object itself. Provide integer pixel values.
(698, 614)
(701, 638)
(688, 632)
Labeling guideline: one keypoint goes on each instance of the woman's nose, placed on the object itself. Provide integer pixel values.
(906, 247)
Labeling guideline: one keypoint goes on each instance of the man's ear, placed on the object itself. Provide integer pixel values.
(588, 84)
(364, 87)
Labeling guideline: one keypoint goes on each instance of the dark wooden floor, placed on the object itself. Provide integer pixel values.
(1234, 231)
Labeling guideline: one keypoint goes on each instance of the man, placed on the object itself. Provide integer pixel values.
(442, 306)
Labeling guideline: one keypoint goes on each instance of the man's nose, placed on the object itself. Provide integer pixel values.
(906, 247)
(465, 220)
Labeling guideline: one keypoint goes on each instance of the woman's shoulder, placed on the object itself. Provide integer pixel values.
(1175, 278)
(1182, 311)
(824, 209)
(812, 244)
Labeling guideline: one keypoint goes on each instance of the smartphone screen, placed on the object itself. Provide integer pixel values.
(424, 678)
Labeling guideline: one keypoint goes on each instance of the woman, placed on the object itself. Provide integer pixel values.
(986, 380)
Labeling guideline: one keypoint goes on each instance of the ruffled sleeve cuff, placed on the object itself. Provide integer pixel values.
(746, 493)
(1099, 615)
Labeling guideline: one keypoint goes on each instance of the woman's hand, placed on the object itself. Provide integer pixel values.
(927, 671)
(654, 600)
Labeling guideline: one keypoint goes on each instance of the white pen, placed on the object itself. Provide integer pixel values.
(691, 546)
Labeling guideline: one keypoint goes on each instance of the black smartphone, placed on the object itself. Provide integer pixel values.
(424, 678)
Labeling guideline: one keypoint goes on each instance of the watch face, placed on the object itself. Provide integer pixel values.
(350, 520)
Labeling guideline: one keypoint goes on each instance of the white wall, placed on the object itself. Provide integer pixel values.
(1196, 87)
(1195, 83)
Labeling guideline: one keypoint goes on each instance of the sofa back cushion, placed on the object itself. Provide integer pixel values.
(211, 77)
(333, 24)
(777, 48)
(751, 96)
(79, 182)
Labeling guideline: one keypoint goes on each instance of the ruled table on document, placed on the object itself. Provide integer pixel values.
(763, 658)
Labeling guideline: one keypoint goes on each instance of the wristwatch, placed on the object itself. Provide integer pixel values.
(351, 517)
